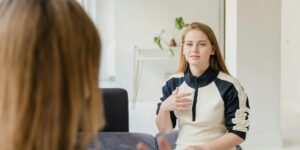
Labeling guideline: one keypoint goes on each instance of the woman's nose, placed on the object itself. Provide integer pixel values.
(194, 48)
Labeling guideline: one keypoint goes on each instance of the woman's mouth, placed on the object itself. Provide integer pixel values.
(194, 56)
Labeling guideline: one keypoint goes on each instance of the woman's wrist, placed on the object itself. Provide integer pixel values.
(163, 107)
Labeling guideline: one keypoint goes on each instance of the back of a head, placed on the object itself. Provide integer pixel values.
(49, 60)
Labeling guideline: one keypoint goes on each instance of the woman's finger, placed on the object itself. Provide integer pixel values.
(175, 92)
(184, 104)
(141, 146)
(183, 100)
(163, 144)
(182, 108)
(183, 95)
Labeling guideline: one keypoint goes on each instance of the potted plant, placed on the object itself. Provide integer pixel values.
(169, 45)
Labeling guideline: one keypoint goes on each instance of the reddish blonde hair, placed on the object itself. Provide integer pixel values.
(216, 61)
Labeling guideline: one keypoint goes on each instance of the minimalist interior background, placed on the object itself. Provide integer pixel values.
(261, 51)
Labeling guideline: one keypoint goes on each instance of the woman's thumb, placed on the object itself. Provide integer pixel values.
(176, 90)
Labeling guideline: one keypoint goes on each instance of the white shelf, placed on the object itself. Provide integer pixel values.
(146, 54)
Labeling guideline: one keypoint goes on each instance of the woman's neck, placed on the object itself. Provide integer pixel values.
(197, 71)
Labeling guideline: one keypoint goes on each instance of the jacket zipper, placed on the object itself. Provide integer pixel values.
(195, 101)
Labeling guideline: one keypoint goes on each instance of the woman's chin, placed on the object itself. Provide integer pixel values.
(197, 63)
(194, 63)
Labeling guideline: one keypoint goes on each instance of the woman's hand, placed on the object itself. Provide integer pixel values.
(200, 147)
(177, 102)
(162, 144)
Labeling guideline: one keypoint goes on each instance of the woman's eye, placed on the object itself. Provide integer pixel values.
(189, 44)
(202, 44)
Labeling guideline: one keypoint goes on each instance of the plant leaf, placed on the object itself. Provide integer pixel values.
(179, 23)
(157, 40)
(171, 51)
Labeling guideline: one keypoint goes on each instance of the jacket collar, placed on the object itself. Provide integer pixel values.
(206, 78)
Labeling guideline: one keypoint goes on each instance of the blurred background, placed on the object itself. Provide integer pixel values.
(259, 39)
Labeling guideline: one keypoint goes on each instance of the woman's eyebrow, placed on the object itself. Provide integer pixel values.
(202, 41)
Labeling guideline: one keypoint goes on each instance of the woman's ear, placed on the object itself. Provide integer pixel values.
(213, 51)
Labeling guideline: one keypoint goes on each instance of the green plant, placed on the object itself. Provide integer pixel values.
(162, 43)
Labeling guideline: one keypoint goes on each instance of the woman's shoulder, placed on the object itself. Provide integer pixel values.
(176, 76)
(174, 80)
(229, 78)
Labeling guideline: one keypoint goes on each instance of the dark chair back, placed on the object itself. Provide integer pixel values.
(115, 102)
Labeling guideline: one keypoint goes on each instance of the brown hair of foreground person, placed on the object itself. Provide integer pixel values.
(49, 60)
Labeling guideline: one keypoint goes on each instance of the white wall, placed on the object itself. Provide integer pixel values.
(102, 14)
(290, 53)
(290, 72)
(106, 24)
(258, 68)
(231, 35)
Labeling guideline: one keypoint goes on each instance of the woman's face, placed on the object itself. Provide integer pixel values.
(197, 48)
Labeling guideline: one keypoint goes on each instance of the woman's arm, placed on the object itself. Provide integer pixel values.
(163, 121)
(225, 142)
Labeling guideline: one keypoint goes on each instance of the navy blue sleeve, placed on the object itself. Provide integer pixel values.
(237, 111)
(236, 106)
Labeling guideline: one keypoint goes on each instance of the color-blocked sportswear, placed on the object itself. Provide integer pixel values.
(220, 105)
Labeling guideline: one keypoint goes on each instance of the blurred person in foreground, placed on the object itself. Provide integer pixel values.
(49, 60)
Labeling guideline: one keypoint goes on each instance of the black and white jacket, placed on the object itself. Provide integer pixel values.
(220, 105)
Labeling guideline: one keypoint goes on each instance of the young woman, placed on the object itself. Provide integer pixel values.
(210, 106)
(49, 60)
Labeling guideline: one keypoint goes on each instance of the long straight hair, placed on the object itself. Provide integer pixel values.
(216, 61)
(49, 60)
